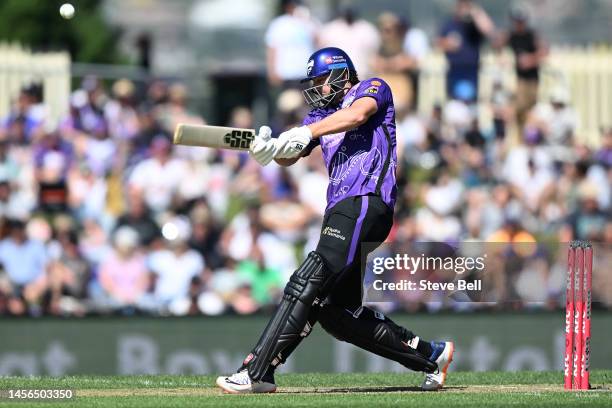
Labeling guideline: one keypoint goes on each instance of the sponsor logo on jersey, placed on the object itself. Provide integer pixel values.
(371, 90)
(376, 83)
(333, 232)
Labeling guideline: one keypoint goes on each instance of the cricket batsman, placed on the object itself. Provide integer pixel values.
(353, 122)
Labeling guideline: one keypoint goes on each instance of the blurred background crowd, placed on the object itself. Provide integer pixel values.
(102, 214)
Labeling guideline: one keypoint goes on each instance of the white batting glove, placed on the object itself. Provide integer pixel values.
(263, 148)
(291, 143)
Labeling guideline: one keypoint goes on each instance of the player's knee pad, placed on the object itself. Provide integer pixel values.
(375, 332)
(305, 283)
(290, 321)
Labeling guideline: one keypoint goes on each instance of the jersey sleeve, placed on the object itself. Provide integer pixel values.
(375, 88)
(312, 117)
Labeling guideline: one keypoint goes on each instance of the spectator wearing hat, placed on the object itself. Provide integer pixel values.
(588, 221)
(556, 122)
(123, 275)
(120, 113)
(175, 267)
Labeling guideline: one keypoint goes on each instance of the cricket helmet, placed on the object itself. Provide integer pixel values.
(336, 67)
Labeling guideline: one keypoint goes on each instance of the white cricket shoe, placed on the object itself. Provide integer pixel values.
(240, 383)
(443, 356)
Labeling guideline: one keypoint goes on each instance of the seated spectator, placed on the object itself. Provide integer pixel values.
(123, 275)
(22, 126)
(24, 276)
(139, 217)
(86, 193)
(174, 268)
(176, 111)
(52, 157)
(158, 177)
(588, 221)
(120, 113)
(69, 274)
(90, 100)
(149, 128)
(266, 283)
(13, 203)
(206, 234)
(604, 155)
(436, 221)
(556, 120)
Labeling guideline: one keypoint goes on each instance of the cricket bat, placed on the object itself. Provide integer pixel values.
(219, 137)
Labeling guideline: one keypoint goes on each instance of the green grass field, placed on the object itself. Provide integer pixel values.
(464, 389)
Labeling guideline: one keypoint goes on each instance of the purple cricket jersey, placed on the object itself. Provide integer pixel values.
(357, 159)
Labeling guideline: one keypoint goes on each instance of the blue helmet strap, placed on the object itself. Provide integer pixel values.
(336, 80)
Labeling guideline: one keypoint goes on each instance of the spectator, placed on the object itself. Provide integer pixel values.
(69, 274)
(556, 121)
(89, 101)
(24, 263)
(139, 217)
(416, 46)
(120, 113)
(290, 37)
(22, 125)
(358, 37)
(501, 108)
(86, 193)
(392, 63)
(148, 129)
(529, 52)
(176, 111)
(52, 157)
(437, 221)
(266, 283)
(588, 221)
(159, 176)
(174, 268)
(123, 276)
(604, 155)
(206, 234)
(460, 38)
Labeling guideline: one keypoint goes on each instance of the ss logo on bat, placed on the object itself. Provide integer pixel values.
(239, 139)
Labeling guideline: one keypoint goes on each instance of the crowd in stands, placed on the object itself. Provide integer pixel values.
(102, 214)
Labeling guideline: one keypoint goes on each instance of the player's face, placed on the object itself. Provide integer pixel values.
(323, 80)
(325, 88)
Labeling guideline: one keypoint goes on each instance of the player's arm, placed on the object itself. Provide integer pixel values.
(288, 162)
(345, 119)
